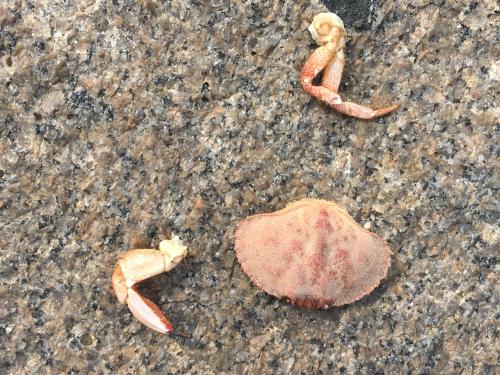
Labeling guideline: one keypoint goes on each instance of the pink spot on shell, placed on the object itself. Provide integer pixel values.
(297, 247)
(323, 224)
(341, 255)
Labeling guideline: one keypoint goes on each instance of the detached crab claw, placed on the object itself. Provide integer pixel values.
(140, 264)
(327, 29)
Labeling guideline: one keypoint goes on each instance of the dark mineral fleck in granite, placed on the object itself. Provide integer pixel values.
(355, 13)
(124, 121)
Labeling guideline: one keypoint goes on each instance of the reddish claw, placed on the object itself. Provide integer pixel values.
(140, 264)
(328, 31)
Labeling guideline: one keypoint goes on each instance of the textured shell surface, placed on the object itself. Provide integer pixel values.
(312, 253)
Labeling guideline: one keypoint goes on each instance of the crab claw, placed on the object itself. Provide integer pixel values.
(327, 29)
(140, 264)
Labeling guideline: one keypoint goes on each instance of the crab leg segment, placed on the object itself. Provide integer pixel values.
(328, 31)
(140, 264)
(362, 112)
(313, 66)
(332, 74)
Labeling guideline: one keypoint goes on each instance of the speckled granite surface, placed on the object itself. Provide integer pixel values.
(124, 121)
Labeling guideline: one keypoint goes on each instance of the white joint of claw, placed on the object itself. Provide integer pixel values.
(326, 27)
(174, 251)
(140, 264)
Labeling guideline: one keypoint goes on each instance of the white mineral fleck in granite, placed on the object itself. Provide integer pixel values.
(495, 70)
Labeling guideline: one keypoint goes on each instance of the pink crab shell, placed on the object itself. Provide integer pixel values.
(313, 253)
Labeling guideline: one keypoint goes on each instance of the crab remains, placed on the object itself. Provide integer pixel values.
(327, 29)
(312, 253)
(140, 264)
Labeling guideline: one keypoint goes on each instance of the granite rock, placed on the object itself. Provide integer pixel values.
(124, 121)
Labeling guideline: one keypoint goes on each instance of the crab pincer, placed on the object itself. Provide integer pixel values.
(327, 29)
(140, 264)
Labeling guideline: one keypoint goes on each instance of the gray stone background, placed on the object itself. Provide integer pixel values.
(124, 121)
